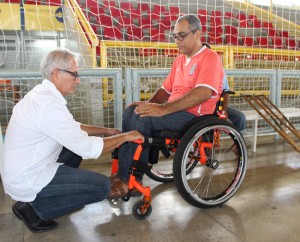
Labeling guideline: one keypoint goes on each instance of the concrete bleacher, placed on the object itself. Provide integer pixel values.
(157, 25)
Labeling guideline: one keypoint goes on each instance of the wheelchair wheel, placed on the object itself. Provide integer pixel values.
(139, 212)
(163, 170)
(221, 156)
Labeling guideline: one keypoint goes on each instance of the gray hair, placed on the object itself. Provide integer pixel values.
(193, 21)
(59, 58)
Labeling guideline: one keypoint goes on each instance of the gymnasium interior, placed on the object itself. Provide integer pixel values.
(126, 51)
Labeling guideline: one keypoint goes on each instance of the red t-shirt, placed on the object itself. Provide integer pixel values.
(203, 69)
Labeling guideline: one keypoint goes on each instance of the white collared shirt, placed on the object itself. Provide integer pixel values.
(39, 127)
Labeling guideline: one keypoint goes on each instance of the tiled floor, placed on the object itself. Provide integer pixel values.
(266, 208)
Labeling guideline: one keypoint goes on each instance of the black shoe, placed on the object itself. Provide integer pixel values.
(32, 221)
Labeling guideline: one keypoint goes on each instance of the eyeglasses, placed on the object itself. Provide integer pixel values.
(74, 74)
(180, 36)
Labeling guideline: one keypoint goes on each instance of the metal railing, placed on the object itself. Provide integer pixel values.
(86, 105)
(104, 93)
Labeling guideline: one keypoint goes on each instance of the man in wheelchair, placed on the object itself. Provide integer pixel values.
(191, 89)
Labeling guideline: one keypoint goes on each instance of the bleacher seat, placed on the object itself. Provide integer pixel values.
(285, 34)
(242, 19)
(216, 13)
(154, 15)
(216, 30)
(125, 21)
(203, 19)
(202, 15)
(96, 11)
(171, 16)
(268, 25)
(135, 33)
(247, 41)
(135, 14)
(277, 42)
(116, 12)
(263, 42)
(174, 10)
(232, 40)
(291, 43)
(272, 32)
(112, 33)
(127, 6)
(143, 7)
(164, 24)
(256, 23)
(90, 4)
(252, 16)
(213, 40)
(105, 20)
(158, 8)
(144, 22)
(157, 35)
(108, 3)
(215, 21)
(202, 12)
(231, 30)
(228, 15)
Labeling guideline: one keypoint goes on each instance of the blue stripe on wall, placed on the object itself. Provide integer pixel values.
(22, 16)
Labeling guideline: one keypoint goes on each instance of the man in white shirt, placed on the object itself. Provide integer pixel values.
(44, 147)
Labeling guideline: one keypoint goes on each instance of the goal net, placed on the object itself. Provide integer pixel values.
(135, 33)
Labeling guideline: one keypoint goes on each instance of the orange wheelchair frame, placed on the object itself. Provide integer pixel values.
(207, 137)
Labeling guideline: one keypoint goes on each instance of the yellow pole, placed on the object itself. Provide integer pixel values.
(90, 34)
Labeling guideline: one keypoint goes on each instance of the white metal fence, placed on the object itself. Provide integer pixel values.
(104, 93)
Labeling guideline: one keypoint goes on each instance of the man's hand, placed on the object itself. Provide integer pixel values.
(150, 109)
(112, 131)
(116, 140)
(134, 135)
(137, 103)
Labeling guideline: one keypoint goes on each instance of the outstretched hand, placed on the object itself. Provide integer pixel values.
(112, 131)
(135, 135)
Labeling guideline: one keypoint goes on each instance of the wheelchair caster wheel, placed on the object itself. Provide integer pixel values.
(140, 211)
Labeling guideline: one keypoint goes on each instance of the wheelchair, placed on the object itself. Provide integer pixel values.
(207, 162)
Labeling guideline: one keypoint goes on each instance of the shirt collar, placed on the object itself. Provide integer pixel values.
(188, 59)
(53, 88)
(202, 49)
